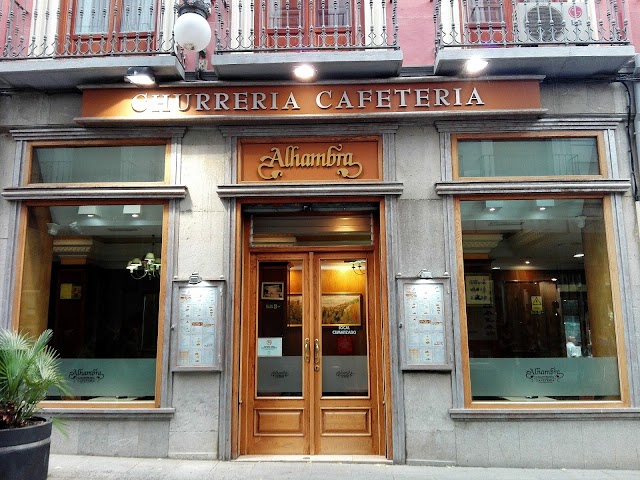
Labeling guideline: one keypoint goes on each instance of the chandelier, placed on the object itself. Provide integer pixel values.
(149, 267)
(358, 266)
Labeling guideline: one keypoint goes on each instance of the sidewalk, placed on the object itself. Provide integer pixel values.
(118, 468)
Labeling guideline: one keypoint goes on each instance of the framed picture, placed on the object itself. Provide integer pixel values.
(479, 289)
(294, 310)
(272, 291)
(342, 309)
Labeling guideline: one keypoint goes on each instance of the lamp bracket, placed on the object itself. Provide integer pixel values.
(201, 7)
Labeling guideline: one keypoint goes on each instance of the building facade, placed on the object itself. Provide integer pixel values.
(398, 258)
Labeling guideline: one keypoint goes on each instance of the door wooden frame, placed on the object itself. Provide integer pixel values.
(379, 306)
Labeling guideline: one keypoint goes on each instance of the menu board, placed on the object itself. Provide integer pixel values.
(423, 326)
(197, 326)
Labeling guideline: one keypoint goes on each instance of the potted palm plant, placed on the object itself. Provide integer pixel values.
(28, 369)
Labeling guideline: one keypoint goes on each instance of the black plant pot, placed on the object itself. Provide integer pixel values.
(24, 452)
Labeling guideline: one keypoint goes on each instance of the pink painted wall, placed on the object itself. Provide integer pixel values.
(633, 7)
(416, 32)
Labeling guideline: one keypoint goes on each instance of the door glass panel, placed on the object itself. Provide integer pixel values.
(344, 327)
(137, 16)
(279, 329)
(334, 13)
(284, 14)
(92, 16)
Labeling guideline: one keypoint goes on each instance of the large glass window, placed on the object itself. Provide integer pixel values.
(91, 273)
(529, 157)
(539, 309)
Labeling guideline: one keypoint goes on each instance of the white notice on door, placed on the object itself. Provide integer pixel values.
(270, 347)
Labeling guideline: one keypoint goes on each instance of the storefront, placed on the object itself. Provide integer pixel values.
(425, 271)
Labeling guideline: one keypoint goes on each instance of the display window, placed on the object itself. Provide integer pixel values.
(91, 270)
(540, 316)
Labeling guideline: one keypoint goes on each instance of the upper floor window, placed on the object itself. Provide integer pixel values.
(107, 16)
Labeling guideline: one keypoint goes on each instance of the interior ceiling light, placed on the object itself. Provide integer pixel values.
(475, 65)
(148, 267)
(493, 205)
(304, 72)
(141, 76)
(132, 210)
(544, 204)
(191, 30)
(578, 255)
(88, 210)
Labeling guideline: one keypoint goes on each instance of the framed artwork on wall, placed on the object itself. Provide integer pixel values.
(342, 309)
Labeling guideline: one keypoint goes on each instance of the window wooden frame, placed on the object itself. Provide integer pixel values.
(17, 296)
(618, 324)
(98, 193)
(610, 235)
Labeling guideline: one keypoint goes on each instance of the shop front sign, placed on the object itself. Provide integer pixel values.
(309, 159)
(229, 101)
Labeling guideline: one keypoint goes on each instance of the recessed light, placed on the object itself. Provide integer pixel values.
(527, 262)
(141, 76)
(578, 255)
(304, 72)
(475, 65)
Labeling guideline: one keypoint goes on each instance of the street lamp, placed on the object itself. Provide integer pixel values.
(191, 30)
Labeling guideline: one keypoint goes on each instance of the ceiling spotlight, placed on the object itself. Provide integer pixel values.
(141, 76)
(544, 204)
(578, 255)
(527, 262)
(475, 65)
(132, 210)
(493, 205)
(304, 72)
(89, 210)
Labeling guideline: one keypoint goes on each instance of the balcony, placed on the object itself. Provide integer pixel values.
(343, 38)
(66, 43)
(552, 38)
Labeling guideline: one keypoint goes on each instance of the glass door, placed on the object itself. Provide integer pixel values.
(311, 356)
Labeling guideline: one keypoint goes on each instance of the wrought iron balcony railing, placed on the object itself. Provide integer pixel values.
(72, 28)
(495, 23)
(299, 25)
(82, 28)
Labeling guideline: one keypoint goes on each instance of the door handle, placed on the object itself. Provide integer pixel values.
(316, 351)
(306, 350)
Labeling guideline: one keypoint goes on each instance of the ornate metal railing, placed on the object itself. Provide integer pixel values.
(488, 23)
(71, 28)
(81, 28)
(267, 25)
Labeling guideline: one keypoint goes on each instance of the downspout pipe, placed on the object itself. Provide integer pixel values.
(636, 121)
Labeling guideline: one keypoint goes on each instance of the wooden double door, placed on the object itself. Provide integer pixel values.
(311, 373)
